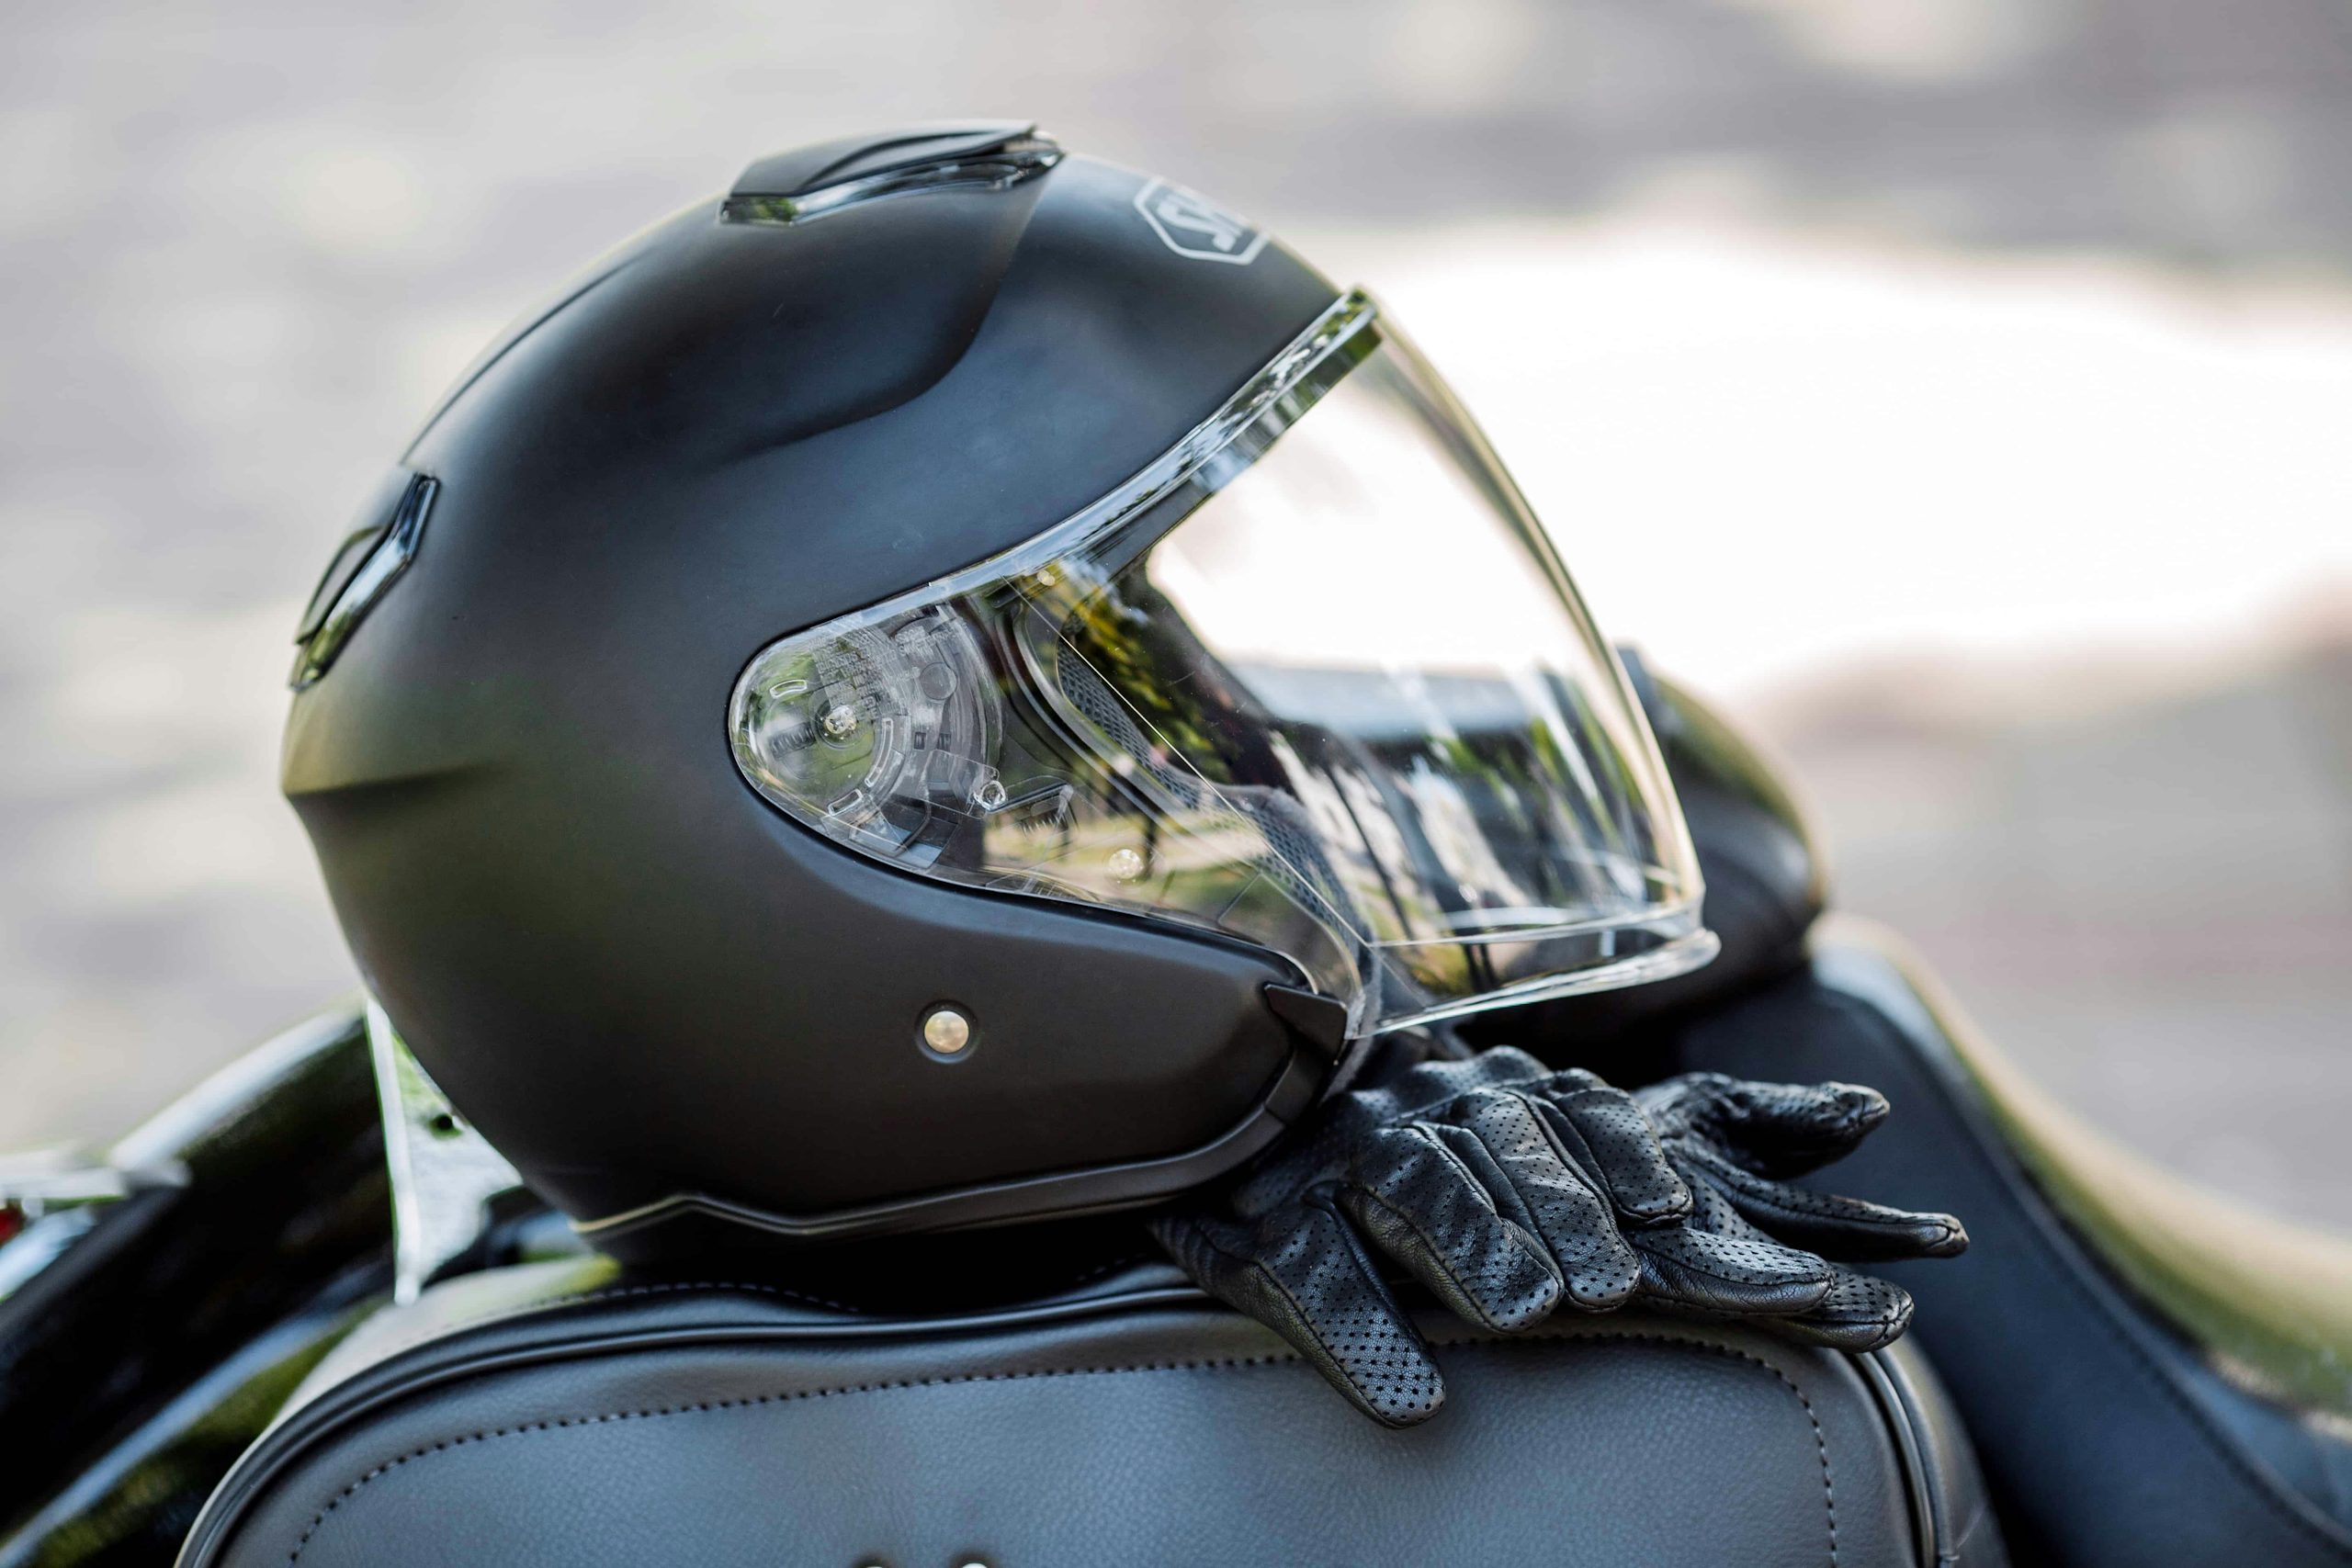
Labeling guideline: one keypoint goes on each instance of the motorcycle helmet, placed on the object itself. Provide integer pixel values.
(955, 683)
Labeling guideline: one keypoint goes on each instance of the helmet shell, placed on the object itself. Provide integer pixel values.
(654, 992)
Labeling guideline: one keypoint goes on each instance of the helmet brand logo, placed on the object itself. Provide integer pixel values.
(1192, 225)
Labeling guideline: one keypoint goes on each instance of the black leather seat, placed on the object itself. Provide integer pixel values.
(560, 1414)
(2149, 1380)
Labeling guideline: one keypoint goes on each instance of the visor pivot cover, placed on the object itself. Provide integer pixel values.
(946, 1032)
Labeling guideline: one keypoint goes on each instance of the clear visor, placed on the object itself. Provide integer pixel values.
(1315, 680)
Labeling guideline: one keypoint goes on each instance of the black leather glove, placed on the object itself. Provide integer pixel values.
(1735, 1143)
(1506, 1188)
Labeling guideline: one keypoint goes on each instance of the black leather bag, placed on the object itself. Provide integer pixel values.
(552, 1414)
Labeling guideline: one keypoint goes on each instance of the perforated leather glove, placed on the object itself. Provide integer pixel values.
(1506, 1188)
(1736, 1143)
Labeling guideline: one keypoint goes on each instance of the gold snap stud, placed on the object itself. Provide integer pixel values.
(946, 1031)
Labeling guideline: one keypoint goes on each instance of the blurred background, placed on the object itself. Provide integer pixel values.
(1957, 389)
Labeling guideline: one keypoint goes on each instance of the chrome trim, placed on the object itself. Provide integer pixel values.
(41, 1243)
(59, 1194)
(59, 1176)
(169, 1434)
(444, 1174)
(387, 562)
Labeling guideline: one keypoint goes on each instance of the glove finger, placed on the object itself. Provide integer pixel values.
(1846, 1229)
(1861, 1312)
(1302, 1274)
(1412, 1200)
(1605, 1132)
(1785, 1129)
(1717, 1262)
(1777, 1128)
(1507, 1142)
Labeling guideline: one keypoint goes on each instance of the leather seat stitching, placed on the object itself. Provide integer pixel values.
(557, 1423)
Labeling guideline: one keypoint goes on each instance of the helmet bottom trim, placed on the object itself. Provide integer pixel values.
(1294, 1090)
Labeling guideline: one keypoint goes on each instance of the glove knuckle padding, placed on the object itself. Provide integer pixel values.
(1612, 1137)
(1418, 1203)
(1554, 1193)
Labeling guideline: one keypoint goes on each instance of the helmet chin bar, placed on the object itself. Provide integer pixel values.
(1321, 1062)
(1297, 1086)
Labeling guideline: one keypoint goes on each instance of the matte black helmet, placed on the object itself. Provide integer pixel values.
(955, 683)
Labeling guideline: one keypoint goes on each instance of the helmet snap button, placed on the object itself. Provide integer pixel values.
(946, 1031)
